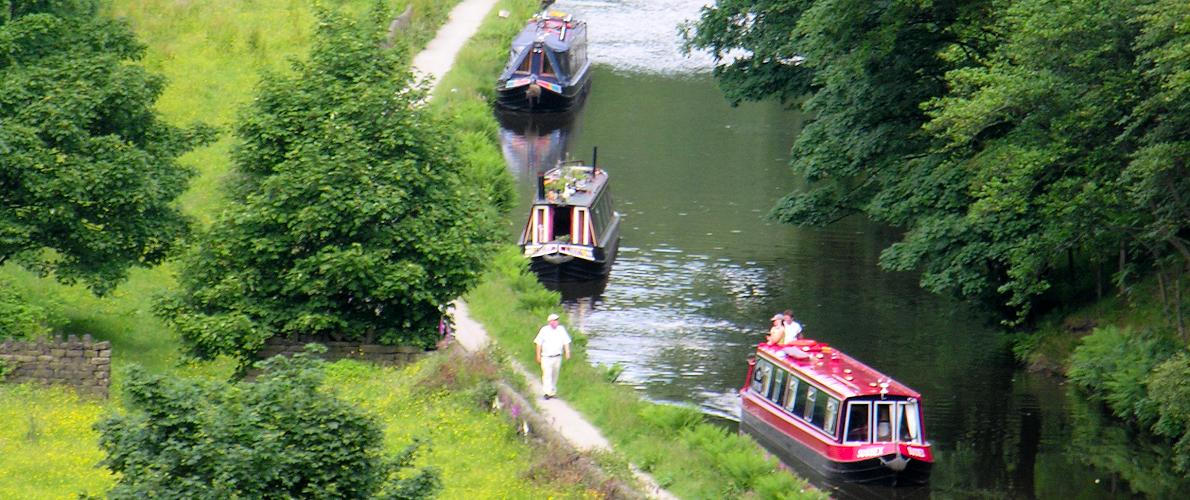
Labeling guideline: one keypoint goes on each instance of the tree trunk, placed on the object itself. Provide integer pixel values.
(1098, 280)
(1179, 317)
(1161, 289)
(1123, 262)
(1071, 278)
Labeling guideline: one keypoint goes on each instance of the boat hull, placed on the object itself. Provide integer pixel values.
(517, 98)
(558, 268)
(792, 451)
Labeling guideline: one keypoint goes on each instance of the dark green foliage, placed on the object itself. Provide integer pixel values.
(283, 436)
(88, 170)
(350, 216)
(1005, 136)
(20, 319)
(1170, 392)
(1113, 365)
(671, 419)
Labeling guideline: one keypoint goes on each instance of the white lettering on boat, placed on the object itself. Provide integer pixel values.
(915, 452)
(870, 452)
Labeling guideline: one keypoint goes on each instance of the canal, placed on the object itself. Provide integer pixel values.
(700, 271)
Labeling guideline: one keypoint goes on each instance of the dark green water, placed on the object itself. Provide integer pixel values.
(700, 271)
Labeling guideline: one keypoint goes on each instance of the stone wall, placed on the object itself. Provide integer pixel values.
(83, 364)
(340, 349)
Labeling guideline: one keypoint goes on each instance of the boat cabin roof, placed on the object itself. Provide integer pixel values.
(846, 376)
(554, 29)
(571, 184)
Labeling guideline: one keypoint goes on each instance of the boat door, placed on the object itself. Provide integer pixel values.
(581, 231)
(542, 224)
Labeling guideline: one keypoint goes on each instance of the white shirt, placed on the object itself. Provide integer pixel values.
(552, 340)
(793, 331)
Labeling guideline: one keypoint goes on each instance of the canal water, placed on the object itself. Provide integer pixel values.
(700, 271)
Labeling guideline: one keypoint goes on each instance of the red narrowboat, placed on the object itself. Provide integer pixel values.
(848, 422)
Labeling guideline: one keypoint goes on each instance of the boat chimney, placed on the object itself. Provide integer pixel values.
(595, 156)
(541, 185)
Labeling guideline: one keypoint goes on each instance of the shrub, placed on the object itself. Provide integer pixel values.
(20, 319)
(352, 212)
(1113, 365)
(282, 436)
(671, 419)
(1171, 394)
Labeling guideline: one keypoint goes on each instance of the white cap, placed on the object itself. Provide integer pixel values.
(551, 317)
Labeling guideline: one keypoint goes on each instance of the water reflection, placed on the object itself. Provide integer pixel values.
(534, 142)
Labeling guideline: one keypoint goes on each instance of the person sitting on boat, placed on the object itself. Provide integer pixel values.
(793, 329)
(777, 332)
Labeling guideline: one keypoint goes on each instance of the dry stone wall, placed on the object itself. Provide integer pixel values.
(83, 364)
(339, 349)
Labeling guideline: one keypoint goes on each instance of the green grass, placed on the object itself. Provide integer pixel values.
(212, 52)
(48, 448)
(691, 458)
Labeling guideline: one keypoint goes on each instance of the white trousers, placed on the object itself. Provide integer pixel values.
(550, 366)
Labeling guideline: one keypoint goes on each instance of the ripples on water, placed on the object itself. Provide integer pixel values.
(700, 271)
(640, 35)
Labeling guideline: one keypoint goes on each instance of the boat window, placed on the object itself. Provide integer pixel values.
(760, 376)
(790, 393)
(563, 60)
(829, 415)
(857, 422)
(910, 429)
(824, 413)
(811, 395)
(799, 405)
(526, 64)
(884, 422)
(547, 69)
(777, 389)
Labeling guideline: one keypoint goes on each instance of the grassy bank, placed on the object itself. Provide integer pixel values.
(1050, 346)
(212, 52)
(48, 447)
(689, 457)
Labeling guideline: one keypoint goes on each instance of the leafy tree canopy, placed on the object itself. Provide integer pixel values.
(1003, 135)
(88, 170)
(283, 436)
(350, 218)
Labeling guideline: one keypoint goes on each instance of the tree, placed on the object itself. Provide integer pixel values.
(350, 215)
(88, 170)
(1005, 137)
(283, 436)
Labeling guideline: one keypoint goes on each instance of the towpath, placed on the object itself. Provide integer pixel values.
(433, 62)
(439, 55)
(568, 422)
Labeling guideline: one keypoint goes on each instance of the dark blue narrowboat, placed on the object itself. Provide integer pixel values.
(547, 68)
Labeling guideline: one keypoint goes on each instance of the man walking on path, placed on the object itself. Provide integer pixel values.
(552, 343)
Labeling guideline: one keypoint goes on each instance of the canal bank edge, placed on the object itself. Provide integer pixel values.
(557, 423)
(462, 94)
